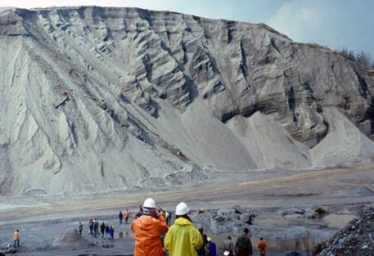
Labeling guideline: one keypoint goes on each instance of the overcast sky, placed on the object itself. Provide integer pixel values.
(332, 23)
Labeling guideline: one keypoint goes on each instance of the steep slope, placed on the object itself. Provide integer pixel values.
(95, 99)
(269, 144)
(343, 144)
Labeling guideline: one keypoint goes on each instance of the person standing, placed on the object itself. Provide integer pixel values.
(140, 212)
(120, 216)
(107, 229)
(90, 225)
(228, 246)
(261, 246)
(126, 215)
(183, 239)
(148, 230)
(80, 228)
(212, 248)
(111, 232)
(16, 238)
(202, 250)
(102, 229)
(243, 246)
(95, 227)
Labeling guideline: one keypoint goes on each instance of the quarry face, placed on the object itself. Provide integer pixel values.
(103, 107)
(105, 99)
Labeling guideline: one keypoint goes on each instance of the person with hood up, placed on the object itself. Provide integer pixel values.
(183, 239)
(148, 230)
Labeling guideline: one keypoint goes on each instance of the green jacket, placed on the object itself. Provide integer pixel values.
(183, 239)
(243, 246)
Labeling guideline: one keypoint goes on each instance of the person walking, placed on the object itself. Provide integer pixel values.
(183, 239)
(120, 216)
(16, 238)
(243, 246)
(148, 230)
(261, 246)
(228, 246)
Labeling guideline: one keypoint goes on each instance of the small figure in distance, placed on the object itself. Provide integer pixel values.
(80, 228)
(126, 215)
(16, 238)
(212, 248)
(120, 216)
(261, 246)
(228, 246)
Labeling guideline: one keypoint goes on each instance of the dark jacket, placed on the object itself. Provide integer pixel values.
(243, 246)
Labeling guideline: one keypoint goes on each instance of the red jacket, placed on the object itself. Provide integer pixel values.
(147, 233)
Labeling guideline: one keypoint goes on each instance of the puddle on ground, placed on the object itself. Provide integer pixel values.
(278, 222)
(338, 220)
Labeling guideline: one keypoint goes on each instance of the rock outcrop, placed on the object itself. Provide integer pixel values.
(355, 239)
(96, 99)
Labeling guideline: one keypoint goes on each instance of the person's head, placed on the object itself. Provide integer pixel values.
(149, 207)
(261, 238)
(229, 237)
(209, 239)
(182, 209)
(246, 231)
(17, 230)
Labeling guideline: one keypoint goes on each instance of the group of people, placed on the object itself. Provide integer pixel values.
(107, 231)
(154, 237)
(125, 215)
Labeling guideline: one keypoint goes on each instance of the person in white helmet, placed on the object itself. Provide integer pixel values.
(183, 239)
(148, 230)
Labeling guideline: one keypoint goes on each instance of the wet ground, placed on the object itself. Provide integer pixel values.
(269, 193)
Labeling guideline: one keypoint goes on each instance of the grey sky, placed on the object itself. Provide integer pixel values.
(332, 23)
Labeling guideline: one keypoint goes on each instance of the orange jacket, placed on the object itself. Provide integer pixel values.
(147, 233)
(126, 214)
(261, 245)
(16, 236)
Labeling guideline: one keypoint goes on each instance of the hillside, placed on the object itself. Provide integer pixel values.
(96, 99)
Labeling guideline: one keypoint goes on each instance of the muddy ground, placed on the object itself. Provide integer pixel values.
(276, 197)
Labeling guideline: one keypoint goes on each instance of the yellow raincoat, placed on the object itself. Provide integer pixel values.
(183, 239)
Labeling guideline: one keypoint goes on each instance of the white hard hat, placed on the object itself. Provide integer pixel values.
(149, 203)
(182, 209)
(226, 253)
